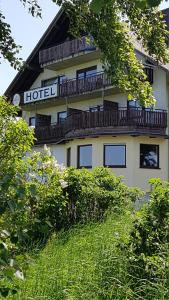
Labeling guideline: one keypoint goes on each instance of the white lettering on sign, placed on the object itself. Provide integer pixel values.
(40, 94)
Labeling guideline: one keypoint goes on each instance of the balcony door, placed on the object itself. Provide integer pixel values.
(86, 79)
(43, 120)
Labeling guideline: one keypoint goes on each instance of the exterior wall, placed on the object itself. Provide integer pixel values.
(133, 175)
(70, 72)
(82, 105)
(159, 89)
(58, 151)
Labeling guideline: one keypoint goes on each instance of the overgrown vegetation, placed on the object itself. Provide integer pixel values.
(123, 257)
(100, 247)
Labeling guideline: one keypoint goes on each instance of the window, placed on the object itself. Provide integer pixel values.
(61, 79)
(115, 156)
(133, 104)
(68, 157)
(32, 121)
(96, 108)
(50, 81)
(84, 156)
(149, 156)
(150, 74)
(88, 72)
(62, 116)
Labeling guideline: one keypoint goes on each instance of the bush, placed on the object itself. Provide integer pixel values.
(91, 193)
(149, 246)
(49, 198)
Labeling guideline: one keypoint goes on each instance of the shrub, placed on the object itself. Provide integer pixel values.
(91, 193)
(148, 247)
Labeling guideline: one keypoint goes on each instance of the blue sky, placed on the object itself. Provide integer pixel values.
(26, 31)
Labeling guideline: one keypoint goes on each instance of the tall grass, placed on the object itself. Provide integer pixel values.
(89, 262)
(84, 263)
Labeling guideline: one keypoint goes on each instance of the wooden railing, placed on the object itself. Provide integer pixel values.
(151, 121)
(82, 85)
(65, 49)
(47, 133)
(117, 118)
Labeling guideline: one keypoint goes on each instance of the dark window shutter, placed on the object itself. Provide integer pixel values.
(43, 120)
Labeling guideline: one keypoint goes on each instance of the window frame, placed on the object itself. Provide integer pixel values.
(57, 79)
(45, 80)
(58, 119)
(78, 156)
(114, 166)
(68, 157)
(84, 71)
(30, 121)
(158, 157)
(96, 108)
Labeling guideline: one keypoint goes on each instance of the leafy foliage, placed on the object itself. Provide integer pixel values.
(149, 245)
(8, 48)
(15, 140)
(106, 22)
(39, 196)
(115, 26)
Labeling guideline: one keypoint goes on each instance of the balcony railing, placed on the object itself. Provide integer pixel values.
(66, 49)
(152, 122)
(46, 133)
(74, 87)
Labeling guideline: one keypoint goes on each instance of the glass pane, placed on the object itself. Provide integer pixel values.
(85, 156)
(68, 157)
(93, 109)
(91, 72)
(62, 79)
(62, 116)
(134, 104)
(32, 121)
(149, 156)
(49, 81)
(96, 108)
(115, 155)
(81, 75)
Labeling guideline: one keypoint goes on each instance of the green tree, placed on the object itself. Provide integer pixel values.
(111, 23)
(16, 138)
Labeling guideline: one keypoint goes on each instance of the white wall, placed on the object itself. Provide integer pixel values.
(133, 175)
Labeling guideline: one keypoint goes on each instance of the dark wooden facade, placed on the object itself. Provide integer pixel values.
(127, 121)
(66, 49)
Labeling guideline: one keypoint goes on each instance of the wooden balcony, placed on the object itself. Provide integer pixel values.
(66, 49)
(79, 86)
(115, 122)
(50, 133)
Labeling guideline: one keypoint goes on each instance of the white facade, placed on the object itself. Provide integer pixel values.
(138, 145)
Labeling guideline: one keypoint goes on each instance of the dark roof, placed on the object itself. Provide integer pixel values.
(53, 35)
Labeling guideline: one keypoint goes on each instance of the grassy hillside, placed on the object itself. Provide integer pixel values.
(85, 263)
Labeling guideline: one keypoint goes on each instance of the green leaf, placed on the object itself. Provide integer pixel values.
(97, 5)
(154, 3)
(4, 291)
(33, 190)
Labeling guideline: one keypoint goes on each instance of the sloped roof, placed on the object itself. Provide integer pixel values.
(25, 77)
(52, 36)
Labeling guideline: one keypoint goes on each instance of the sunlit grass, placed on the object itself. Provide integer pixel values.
(84, 263)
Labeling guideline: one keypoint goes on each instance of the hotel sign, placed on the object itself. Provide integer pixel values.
(40, 94)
